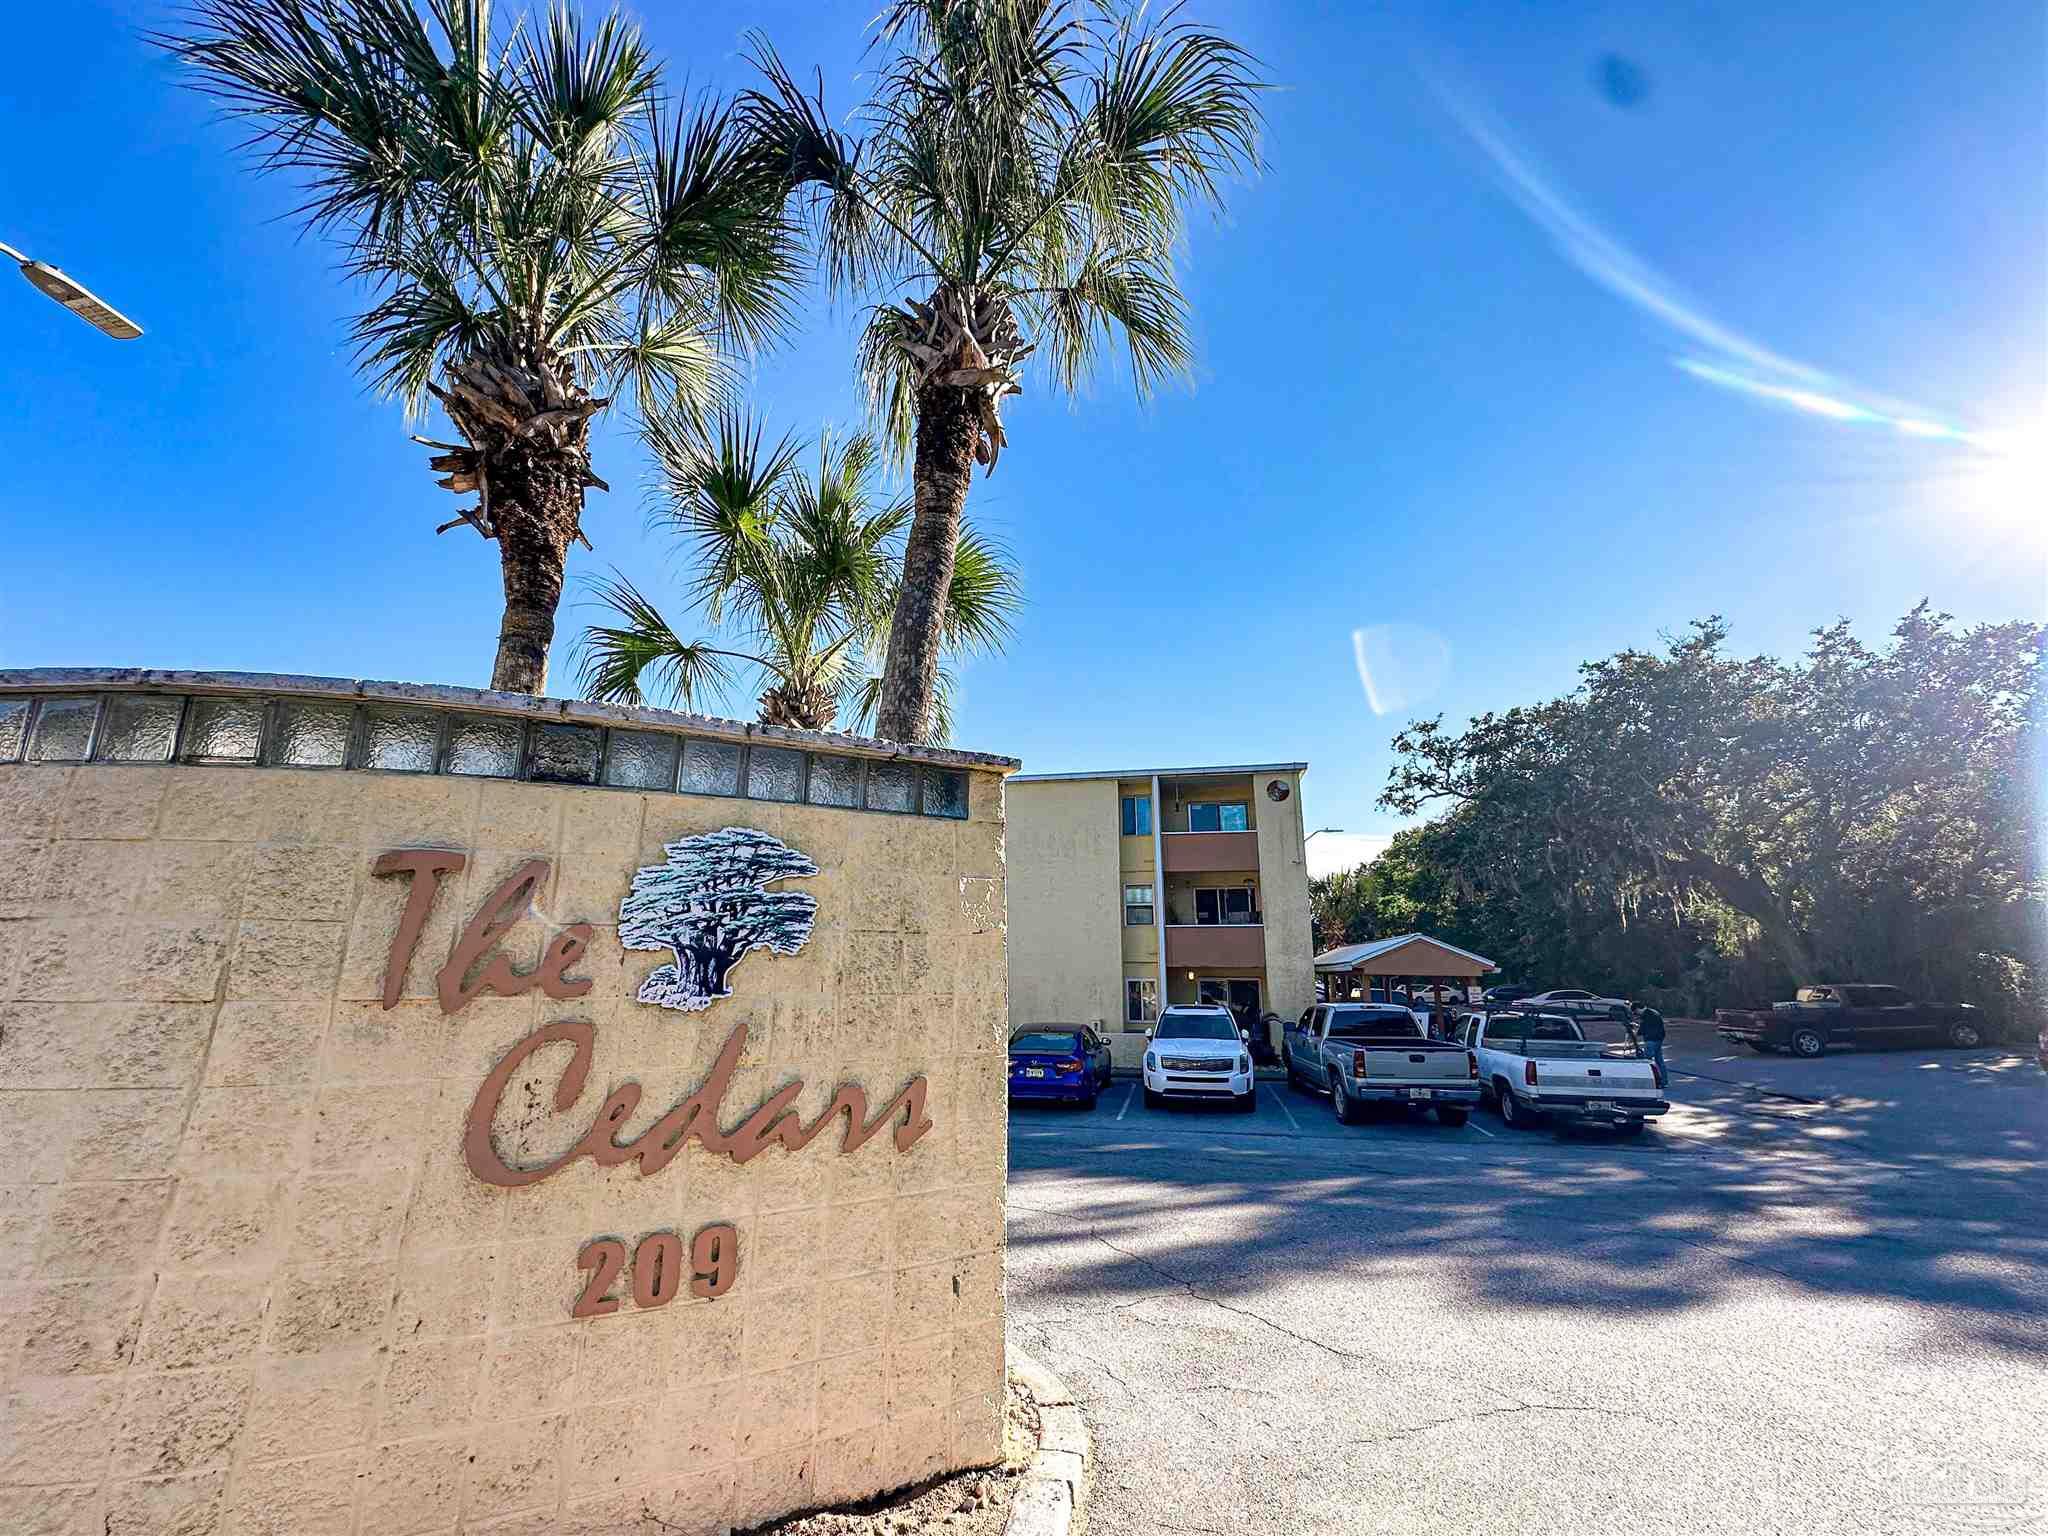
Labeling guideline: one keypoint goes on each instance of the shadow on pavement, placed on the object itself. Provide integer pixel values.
(1912, 1190)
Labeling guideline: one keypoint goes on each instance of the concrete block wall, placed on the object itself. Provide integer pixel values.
(247, 1282)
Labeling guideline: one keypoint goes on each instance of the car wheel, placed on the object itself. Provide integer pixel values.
(1634, 1127)
(1153, 1100)
(1087, 1102)
(1249, 1102)
(1340, 1103)
(1512, 1115)
(1964, 1035)
(1808, 1042)
(1451, 1117)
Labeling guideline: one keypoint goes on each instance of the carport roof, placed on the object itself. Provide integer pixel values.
(1352, 957)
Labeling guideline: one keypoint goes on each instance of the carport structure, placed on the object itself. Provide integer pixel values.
(1352, 969)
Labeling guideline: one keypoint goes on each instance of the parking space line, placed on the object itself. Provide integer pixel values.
(1282, 1102)
(1482, 1130)
(1129, 1094)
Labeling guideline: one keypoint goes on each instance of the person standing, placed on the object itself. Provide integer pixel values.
(1650, 1031)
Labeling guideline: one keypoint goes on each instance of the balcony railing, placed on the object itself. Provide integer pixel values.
(1196, 853)
(1212, 945)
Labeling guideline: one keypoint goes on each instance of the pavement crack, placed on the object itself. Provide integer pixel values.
(1508, 1411)
(1190, 1289)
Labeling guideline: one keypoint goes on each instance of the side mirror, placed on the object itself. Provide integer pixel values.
(1148, 1034)
(1245, 1035)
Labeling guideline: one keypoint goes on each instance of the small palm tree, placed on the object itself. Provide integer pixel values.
(532, 228)
(797, 575)
(1027, 167)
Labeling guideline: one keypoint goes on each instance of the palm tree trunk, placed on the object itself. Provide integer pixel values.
(536, 508)
(948, 425)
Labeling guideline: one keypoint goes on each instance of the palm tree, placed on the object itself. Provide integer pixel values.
(1027, 167)
(797, 575)
(530, 225)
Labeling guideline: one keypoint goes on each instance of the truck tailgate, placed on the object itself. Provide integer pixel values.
(1434, 1062)
(1622, 1076)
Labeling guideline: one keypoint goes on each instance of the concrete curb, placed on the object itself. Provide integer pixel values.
(1052, 1498)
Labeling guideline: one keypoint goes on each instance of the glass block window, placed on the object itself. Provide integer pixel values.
(13, 728)
(775, 773)
(835, 780)
(311, 735)
(640, 760)
(229, 730)
(945, 793)
(63, 731)
(565, 754)
(711, 768)
(140, 728)
(401, 740)
(892, 787)
(485, 746)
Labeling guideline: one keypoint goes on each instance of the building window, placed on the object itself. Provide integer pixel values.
(1217, 816)
(1138, 906)
(1137, 815)
(1228, 906)
(1141, 1001)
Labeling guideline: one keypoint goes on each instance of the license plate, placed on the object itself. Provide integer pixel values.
(1034, 1071)
(1418, 1093)
(1606, 1104)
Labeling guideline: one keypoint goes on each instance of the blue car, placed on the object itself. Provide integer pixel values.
(1068, 1062)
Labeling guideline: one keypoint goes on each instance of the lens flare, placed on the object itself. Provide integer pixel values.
(1733, 361)
(1400, 665)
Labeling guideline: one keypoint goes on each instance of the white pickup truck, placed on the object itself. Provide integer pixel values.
(1376, 1053)
(1537, 1066)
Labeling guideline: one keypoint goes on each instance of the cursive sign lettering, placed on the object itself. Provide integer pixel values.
(693, 926)
(695, 1118)
(499, 914)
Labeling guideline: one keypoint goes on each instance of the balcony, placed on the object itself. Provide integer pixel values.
(1196, 853)
(1227, 946)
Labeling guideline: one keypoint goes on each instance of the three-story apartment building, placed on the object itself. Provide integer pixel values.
(1135, 888)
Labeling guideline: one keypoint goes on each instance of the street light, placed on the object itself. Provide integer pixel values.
(1319, 831)
(74, 297)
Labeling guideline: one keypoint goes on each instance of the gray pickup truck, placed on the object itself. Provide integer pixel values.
(1366, 1053)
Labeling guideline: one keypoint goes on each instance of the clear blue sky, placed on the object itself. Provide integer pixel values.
(1428, 394)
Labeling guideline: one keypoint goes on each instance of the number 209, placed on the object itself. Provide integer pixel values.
(657, 1268)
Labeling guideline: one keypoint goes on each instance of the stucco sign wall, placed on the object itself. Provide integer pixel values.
(393, 1154)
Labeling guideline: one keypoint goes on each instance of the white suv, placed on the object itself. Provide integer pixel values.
(1196, 1052)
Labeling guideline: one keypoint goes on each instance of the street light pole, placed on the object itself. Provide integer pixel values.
(74, 296)
(1319, 831)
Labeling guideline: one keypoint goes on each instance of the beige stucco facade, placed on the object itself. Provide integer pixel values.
(1075, 950)
(1065, 955)
(249, 1281)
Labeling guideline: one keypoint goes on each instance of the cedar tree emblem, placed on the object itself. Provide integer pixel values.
(708, 906)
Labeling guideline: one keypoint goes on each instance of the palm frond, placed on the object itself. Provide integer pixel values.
(619, 661)
(1175, 110)
(578, 91)
(986, 593)
(1128, 292)
(889, 380)
(719, 485)
(714, 201)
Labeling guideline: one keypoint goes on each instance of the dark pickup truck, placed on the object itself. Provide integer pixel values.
(1850, 1013)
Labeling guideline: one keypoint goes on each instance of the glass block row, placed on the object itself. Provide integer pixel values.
(402, 738)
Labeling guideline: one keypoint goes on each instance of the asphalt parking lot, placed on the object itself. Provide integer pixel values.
(1813, 1298)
